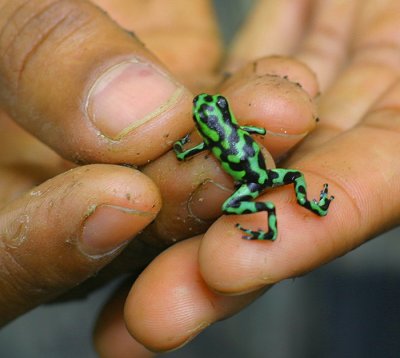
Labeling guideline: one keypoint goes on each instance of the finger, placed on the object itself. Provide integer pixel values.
(170, 304)
(85, 87)
(194, 191)
(373, 69)
(24, 161)
(275, 93)
(184, 35)
(111, 337)
(17, 179)
(325, 47)
(367, 202)
(18, 146)
(267, 22)
(66, 229)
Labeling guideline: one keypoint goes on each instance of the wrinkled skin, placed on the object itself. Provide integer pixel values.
(89, 90)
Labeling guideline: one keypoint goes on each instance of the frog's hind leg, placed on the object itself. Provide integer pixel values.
(289, 176)
(240, 203)
(272, 232)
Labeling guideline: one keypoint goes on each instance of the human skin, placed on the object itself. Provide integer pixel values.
(84, 99)
(353, 50)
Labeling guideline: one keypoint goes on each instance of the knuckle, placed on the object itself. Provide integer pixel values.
(15, 284)
(29, 28)
(386, 119)
(36, 269)
(15, 259)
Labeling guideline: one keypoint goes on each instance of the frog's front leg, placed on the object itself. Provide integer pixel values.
(254, 130)
(289, 176)
(240, 203)
(183, 154)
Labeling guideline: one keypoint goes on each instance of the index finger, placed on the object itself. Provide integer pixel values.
(367, 203)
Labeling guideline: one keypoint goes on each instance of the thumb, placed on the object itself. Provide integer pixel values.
(84, 86)
(65, 230)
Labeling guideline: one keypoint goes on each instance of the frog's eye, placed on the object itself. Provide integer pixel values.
(222, 102)
(207, 98)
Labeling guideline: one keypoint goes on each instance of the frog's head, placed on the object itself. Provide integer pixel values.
(213, 101)
(206, 107)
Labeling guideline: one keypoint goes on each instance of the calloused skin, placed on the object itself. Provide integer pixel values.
(352, 49)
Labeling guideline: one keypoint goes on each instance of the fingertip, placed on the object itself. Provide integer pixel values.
(230, 264)
(111, 338)
(160, 309)
(111, 224)
(54, 237)
(170, 303)
(277, 94)
(289, 68)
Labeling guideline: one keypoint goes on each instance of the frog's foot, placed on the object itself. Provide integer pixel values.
(258, 235)
(238, 204)
(287, 176)
(319, 207)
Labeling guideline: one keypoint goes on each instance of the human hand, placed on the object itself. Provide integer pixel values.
(354, 52)
(93, 93)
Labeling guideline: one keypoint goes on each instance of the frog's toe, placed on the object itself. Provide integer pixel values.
(257, 235)
(324, 192)
(324, 200)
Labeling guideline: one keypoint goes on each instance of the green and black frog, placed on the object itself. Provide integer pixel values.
(241, 157)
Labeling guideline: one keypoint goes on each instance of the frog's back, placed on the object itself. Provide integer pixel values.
(239, 154)
(245, 161)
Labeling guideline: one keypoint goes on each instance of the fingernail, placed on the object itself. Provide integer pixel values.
(128, 95)
(109, 227)
(205, 203)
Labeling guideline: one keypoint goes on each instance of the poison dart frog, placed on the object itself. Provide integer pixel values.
(241, 157)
